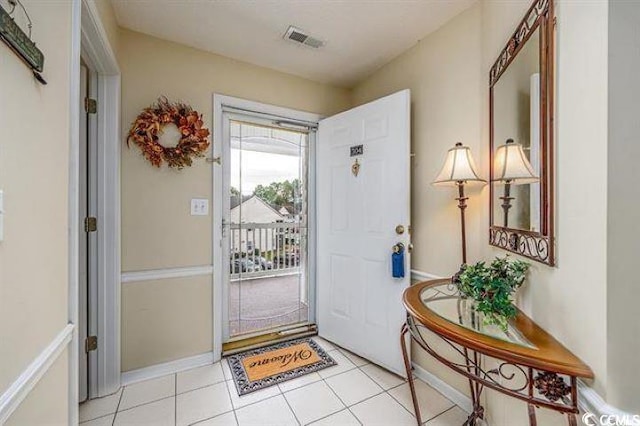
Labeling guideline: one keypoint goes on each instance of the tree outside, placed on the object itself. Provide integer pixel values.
(281, 194)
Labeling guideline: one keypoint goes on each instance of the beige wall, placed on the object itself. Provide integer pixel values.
(34, 159)
(448, 75)
(168, 317)
(157, 230)
(623, 239)
(48, 403)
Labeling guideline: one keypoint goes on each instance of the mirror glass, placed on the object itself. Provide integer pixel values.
(516, 116)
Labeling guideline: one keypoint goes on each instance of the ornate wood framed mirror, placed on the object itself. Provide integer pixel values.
(521, 136)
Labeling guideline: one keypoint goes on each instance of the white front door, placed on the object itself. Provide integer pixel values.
(359, 302)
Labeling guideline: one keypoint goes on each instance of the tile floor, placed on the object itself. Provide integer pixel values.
(354, 392)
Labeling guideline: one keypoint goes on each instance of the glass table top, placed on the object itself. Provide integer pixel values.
(445, 301)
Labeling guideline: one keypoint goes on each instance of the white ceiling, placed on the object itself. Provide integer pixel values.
(360, 35)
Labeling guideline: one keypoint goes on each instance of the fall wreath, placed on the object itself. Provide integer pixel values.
(148, 126)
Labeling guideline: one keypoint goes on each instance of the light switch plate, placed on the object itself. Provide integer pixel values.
(199, 207)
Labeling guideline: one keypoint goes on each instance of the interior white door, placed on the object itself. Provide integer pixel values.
(359, 302)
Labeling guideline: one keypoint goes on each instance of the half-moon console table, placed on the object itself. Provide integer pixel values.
(525, 362)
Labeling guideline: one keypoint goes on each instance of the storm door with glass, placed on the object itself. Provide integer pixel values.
(265, 228)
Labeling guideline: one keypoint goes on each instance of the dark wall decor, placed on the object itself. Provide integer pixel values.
(19, 41)
(521, 98)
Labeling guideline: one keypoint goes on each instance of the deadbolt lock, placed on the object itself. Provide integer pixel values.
(399, 229)
(398, 248)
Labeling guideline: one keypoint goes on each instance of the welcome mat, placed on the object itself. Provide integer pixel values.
(260, 368)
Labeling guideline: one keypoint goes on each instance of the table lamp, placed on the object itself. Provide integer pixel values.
(459, 169)
(511, 167)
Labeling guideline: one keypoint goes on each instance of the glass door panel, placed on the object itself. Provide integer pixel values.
(267, 228)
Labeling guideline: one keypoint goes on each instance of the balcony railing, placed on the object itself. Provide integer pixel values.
(265, 249)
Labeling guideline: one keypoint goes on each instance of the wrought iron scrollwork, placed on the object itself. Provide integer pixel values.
(510, 377)
(536, 245)
(499, 371)
(526, 27)
(551, 386)
(515, 382)
(507, 377)
(533, 246)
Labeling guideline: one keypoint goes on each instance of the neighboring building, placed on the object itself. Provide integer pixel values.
(284, 212)
(253, 210)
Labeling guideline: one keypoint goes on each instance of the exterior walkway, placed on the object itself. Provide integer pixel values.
(261, 303)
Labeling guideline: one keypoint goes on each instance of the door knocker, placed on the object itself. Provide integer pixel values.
(355, 168)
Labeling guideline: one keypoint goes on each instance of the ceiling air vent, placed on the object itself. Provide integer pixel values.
(296, 35)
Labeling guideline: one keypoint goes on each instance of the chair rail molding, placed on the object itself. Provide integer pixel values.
(29, 378)
(159, 274)
(422, 276)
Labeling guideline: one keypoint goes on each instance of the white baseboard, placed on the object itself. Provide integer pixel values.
(590, 401)
(423, 276)
(159, 370)
(20, 388)
(453, 394)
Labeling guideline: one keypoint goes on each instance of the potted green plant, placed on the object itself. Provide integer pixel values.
(492, 288)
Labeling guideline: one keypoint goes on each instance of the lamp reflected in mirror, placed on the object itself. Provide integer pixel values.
(511, 167)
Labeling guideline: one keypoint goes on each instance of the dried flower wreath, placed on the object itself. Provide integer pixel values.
(147, 127)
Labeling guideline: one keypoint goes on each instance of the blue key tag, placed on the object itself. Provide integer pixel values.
(397, 261)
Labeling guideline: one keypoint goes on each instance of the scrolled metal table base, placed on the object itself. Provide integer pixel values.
(536, 388)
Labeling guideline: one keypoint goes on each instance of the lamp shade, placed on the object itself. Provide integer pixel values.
(511, 165)
(458, 167)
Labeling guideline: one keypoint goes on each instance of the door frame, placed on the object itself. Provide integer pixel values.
(219, 102)
(87, 195)
(98, 54)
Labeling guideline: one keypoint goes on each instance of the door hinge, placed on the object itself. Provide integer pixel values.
(90, 106)
(90, 224)
(91, 343)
